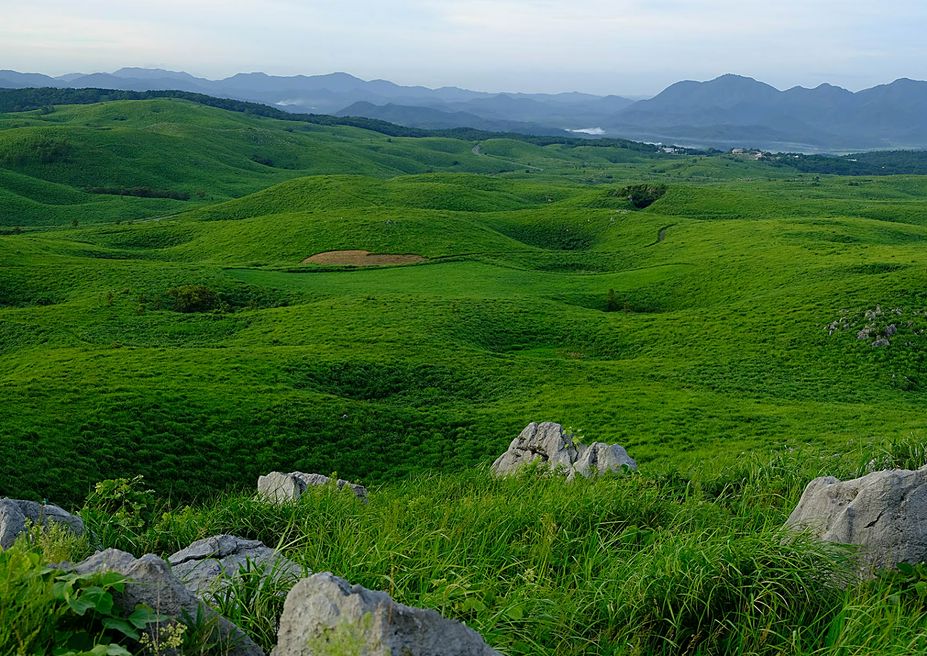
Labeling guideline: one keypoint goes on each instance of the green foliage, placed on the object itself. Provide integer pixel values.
(192, 298)
(38, 148)
(121, 507)
(141, 192)
(611, 301)
(43, 610)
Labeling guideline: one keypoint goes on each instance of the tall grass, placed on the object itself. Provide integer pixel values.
(624, 564)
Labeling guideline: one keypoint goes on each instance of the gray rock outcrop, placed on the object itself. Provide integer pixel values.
(16, 516)
(207, 564)
(151, 583)
(278, 487)
(324, 614)
(547, 444)
(884, 512)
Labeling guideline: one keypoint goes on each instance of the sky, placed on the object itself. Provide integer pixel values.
(624, 47)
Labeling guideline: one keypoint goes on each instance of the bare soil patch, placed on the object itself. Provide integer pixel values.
(362, 258)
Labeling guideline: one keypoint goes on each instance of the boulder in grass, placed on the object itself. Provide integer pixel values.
(884, 513)
(324, 614)
(208, 564)
(278, 487)
(17, 516)
(549, 446)
(151, 583)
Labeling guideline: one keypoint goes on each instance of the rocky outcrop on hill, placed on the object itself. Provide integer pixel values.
(548, 445)
(207, 564)
(278, 487)
(324, 614)
(884, 512)
(151, 583)
(16, 516)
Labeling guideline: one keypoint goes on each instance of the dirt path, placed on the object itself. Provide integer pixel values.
(362, 258)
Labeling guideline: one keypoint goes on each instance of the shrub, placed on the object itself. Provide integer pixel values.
(611, 302)
(193, 298)
(119, 510)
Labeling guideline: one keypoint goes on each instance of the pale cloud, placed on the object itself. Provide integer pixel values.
(604, 46)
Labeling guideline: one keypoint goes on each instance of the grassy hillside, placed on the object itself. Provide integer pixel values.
(135, 159)
(752, 328)
(199, 350)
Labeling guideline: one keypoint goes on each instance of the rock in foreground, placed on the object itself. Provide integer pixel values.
(207, 563)
(278, 487)
(547, 444)
(884, 512)
(152, 584)
(16, 516)
(324, 614)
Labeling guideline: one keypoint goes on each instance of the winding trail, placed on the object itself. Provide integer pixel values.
(661, 235)
(477, 151)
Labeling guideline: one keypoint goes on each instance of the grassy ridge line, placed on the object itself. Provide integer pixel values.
(55, 162)
(21, 100)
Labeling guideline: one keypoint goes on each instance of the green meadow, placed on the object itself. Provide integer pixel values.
(156, 316)
(751, 328)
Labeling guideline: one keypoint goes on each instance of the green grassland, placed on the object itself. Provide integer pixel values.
(156, 318)
(715, 344)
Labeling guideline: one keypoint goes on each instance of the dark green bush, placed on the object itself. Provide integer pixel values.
(192, 298)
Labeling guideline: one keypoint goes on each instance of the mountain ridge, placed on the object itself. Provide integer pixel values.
(725, 112)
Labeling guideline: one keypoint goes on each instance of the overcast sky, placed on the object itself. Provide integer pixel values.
(630, 47)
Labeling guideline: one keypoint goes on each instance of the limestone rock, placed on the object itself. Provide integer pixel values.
(16, 516)
(600, 457)
(325, 614)
(152, 584)
(550, 446)
(884, 512)
(207, 563)
(278, 487)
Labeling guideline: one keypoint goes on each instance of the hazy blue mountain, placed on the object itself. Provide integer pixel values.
(730, 111)
(152, 74)
(436, 119)
(149, 82)
(14, 80)
(740, 111)
(331, 93)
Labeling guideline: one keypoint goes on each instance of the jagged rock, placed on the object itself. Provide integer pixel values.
(17, 515)
(324, 614)
(207, 563)
(550, 446)
(280, 488)
(151, 583)
(884, 512)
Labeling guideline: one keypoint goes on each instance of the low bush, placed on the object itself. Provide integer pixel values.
(192, 298)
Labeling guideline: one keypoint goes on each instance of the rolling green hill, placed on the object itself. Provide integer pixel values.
(184, 338)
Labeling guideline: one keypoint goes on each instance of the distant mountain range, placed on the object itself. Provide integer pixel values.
(730, 111)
